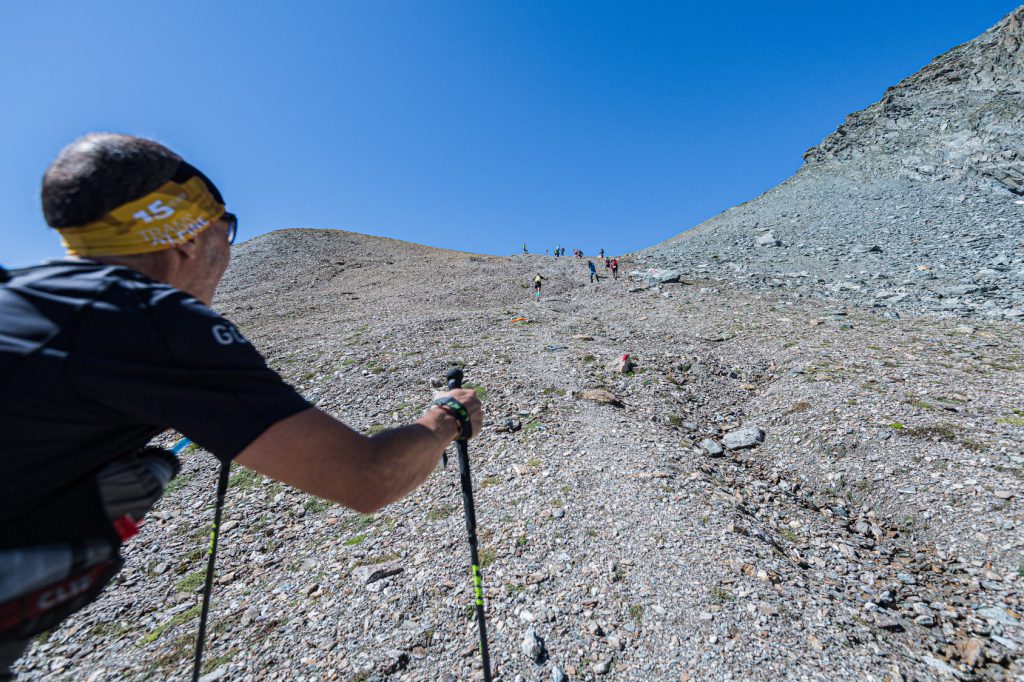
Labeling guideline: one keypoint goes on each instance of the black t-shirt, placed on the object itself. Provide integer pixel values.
(114, 358)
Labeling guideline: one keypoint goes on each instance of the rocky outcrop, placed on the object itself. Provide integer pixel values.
(913, 204)
(960, 116)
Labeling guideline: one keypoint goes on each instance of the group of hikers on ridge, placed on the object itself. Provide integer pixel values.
(560, 251)
(610, 263)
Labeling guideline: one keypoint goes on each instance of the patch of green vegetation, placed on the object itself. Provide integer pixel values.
(440, 513)
(636, 612)
(1011, 420)
(1001, 366)
(512, 589)
(215, 663)
(490, 480)
(534, 462)
(481, 391)
(358, 523)
(355, 539)
(272, 489)
(896, 425)
(721, 596)
(244, 479)
(789, 535)
(103, 628)
(557, 502)
(675, 420)
(192, 581)
(194, 555)
(588, 357)
(522, 541)
(178, 619)
(177, 652)
(375, 428)
(554, 391)
(315, 505)
(531, 426)
(487, 556)
(179, 482)
(944, 433)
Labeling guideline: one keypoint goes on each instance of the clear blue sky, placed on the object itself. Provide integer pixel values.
(469, 125)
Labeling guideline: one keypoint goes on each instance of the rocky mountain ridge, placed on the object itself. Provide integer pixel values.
(913, 204)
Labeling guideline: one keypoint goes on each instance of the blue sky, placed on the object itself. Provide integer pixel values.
(467, 125)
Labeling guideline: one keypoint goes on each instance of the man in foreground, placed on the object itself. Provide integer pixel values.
(102, 351)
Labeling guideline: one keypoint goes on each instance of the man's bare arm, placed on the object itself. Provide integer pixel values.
(318, 454)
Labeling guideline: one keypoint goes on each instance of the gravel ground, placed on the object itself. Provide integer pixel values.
(871, 530)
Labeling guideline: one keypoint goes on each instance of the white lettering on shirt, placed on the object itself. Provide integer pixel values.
(226, 334)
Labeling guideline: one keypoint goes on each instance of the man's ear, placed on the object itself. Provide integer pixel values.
(188, 249)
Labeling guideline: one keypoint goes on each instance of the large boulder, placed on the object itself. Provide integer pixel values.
(743, 438)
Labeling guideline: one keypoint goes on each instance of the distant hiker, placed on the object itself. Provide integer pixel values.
(524, 248)
(563, 250)
(557, 249)
(615, 268)
(593, 272)
(607, 263)
(602, 253)
(536, 285)
(109, 347)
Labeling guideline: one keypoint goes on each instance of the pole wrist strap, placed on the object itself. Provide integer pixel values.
(457, 410)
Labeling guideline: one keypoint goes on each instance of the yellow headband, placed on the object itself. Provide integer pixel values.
(171, 215)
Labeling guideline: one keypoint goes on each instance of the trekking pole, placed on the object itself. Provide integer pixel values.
(454, 378)
(222, 489)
